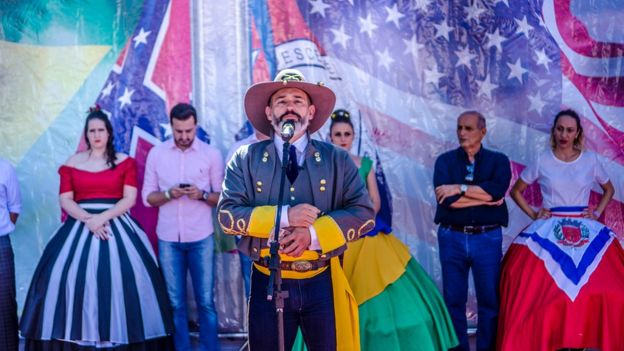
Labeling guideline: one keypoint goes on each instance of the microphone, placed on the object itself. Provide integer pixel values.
(288, 130)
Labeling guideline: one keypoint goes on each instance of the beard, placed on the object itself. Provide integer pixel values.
(183, 143)
(301, 123)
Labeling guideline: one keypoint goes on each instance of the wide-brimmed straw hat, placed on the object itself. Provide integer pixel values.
(258, 96)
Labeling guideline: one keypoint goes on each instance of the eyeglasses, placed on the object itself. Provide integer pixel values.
(470, 176)
(340, 134)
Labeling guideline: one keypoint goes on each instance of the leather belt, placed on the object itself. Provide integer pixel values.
(297, 266)
(471, 229)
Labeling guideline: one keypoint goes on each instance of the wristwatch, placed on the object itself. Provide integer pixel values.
(462, 189)
(205, 195)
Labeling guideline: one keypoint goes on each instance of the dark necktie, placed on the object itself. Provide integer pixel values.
(292, 169)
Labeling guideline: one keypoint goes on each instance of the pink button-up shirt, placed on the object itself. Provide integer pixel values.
(183, 219)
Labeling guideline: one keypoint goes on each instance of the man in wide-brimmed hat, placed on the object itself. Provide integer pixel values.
(326, 205)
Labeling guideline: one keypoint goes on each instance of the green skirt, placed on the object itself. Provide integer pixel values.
(407, 313)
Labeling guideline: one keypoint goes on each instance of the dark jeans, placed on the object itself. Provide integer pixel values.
(309, 305)
(8, 305)
(482, 253)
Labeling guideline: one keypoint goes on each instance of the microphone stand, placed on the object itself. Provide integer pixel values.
(274, 288)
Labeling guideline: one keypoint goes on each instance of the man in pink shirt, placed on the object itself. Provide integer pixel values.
(183, 179)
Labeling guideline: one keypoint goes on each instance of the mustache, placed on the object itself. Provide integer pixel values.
(290, 113)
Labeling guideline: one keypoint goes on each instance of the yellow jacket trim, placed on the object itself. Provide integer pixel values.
(329, 234)
(226, 221)
(345, 310)
(261, 221)
(307, 255)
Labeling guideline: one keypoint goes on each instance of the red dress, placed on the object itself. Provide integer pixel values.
(106, 184)
(97, 293)
(562, 279)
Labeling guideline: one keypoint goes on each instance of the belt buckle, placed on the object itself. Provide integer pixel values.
(301, 266)
(468, 229)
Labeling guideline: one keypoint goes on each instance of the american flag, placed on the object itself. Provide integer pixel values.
(152, 74)
(410, 67)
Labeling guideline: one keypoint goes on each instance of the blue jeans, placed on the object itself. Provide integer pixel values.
(459, 253)
(198, 258)
(310, 305)
(9, 340)
(245, 263)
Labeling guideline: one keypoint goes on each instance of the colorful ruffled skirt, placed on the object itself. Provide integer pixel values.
(400, 308)
(562, 286)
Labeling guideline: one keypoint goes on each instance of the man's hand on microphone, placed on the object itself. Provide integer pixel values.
(302, 215)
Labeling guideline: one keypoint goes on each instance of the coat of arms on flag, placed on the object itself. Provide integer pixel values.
(571, 232)
(571, 249)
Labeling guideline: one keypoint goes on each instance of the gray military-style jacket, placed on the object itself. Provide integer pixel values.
(248, 201)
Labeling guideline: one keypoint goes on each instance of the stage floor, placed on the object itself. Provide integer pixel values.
(227, 343)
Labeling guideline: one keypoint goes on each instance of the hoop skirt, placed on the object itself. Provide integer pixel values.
(562, 286)
(89, 294)
(400, 307)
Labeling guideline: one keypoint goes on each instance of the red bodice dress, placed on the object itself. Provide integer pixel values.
(106, 184)
(87, 293)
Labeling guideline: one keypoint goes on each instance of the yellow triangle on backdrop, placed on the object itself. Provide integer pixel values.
(36, 84)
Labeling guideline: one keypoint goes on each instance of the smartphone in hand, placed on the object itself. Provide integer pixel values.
(184, 185)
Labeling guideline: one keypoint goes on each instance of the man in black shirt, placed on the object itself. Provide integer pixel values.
(470, 184)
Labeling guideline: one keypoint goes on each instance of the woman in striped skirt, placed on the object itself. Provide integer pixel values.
(97, 284)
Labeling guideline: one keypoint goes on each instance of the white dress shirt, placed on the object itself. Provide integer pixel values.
(10, 201)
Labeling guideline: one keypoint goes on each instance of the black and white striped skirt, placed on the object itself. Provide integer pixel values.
(93, 293)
